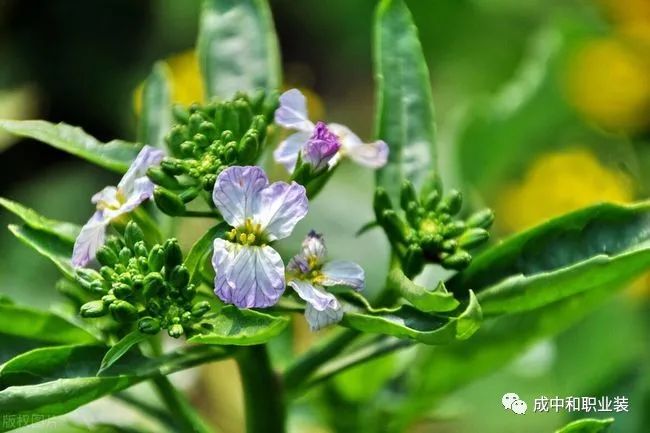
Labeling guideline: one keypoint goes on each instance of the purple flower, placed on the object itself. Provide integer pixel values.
(250, 273)
(112, 202)
(308, 274)
(321, 147)
(292, 114)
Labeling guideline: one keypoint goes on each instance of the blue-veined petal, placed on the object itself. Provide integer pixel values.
(147, 157)
(344, 273)
(288, 150)
(91, 237)
(317, 298)
(292, 112)
(372, 155)
(237, 193)
(282, 205)
(320, 319)
(142, 190)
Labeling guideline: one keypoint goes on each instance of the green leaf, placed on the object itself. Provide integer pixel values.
(408, 322)
(232, 326)
(120, 349)
(196, 257)
(64, 230)
(605, 244)
(587, 425)
(237, 47)
(156, 115)
(405, 114)
(436, 300)
(39, 325)
(75, 366)
(115, 155)
(48, 245)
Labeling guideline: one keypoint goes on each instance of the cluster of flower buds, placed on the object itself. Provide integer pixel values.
(149, 287)
(426, 230)
(205, 140)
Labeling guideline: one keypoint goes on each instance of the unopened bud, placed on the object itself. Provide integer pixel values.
(93, 309)
(168, 202)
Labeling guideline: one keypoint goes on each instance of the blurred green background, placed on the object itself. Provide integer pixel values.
(542, 106)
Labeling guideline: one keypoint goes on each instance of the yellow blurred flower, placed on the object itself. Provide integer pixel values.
(626, 11)
(558, 183)
(608, 82)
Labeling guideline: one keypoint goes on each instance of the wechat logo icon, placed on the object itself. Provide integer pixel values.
(511, 401)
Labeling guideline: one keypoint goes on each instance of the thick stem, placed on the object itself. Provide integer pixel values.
(300, 371)
(263, 394)
(186, 418)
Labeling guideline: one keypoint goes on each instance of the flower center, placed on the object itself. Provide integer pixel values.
(248, 234)
(429, 226)
(115, 203)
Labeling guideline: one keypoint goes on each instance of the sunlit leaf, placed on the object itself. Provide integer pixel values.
(48, 245)
(115, 155)
(436, 300)
(120, 348)
(64, 230)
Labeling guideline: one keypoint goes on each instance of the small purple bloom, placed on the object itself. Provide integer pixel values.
(250, 273)
(321, 147)
(309, 274)
(292, 114)
(112, 202)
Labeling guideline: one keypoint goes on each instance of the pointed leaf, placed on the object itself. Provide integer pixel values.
(605, 244)
(64, 230)
(587, 425)
(408, 322)
(201, 248)
(436, 300)
(115, 155)
(39, 325)
(156, 115)
(232, 326)
(48, 245)
(120, 349)
(237, 47)
(405, 114)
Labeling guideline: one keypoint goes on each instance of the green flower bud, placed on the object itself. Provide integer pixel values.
(173, 254)
(200, 308)
(179, 277)
(394, 226)
(189, 194)
(114, 243)
(458, 261)
(133, 234)
(98, 287)
(408, 196)
(413, 213)
(180, 114)
(452, 202)
(454, 229)
(93, 309)
(123, 311)
(248, 148)
(140, 249)
(431, 200)
(186, 317)
(473, 237)
(156, 258)
(381, 203)
(481, 219)
(163, 178)
(413, 260)
(108, 274)
(86, 276)
(154, 307)
(175, 330)
(108, 299)
(149, 325)
(188, 292)
(168, 202)
(121, 290)
(106, 256)
(153, 285)
(125, 255)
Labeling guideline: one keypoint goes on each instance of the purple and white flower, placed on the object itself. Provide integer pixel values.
(249, 272)
(309, 274)
(113, 202)
(292, 114)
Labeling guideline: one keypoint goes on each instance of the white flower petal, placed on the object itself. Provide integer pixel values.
(281, 206)
(142, 190)
(344, 273)
(255, 276)
(320, 319)
(237, 193)
(287, 152)
(106, 197)
(311, 294)
(292, 112)
(91, 237)
(148, 156)
(222, 258)
(372, 155)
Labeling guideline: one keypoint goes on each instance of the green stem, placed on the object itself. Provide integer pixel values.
(186, 417)
(263, 397)
(297, 373)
